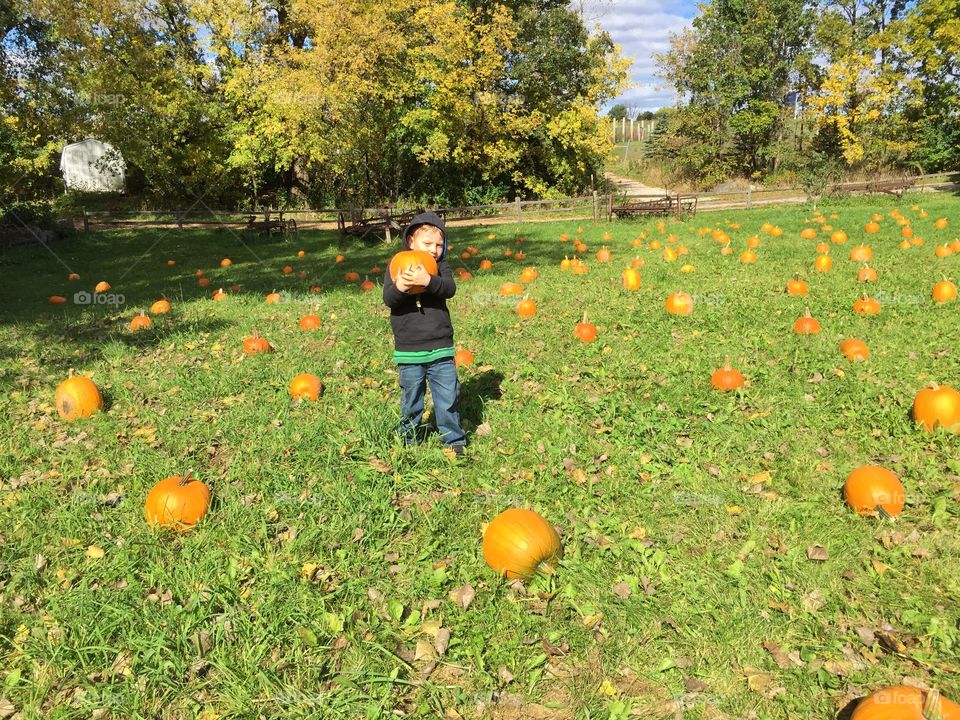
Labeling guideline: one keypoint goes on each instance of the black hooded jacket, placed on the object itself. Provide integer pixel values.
(422, 322)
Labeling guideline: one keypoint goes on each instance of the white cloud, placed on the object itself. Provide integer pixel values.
(642, 28)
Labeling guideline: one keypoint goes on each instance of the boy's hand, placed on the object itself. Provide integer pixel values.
(415, 276)
(419, 276)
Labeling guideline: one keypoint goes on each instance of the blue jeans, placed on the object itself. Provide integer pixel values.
(445, 390)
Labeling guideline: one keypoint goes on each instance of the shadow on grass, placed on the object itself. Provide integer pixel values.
(475, 392)
(847, 712)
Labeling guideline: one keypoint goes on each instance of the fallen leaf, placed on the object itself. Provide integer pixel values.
(7, 709)
(817, 552)
(779, 656)
(442, 641)
(463, 595)
(866, 636)
(380, 466)
(95, 552)
(621, 589)
(814, 601)
(880, 567)
(483, 429)
(506, 677)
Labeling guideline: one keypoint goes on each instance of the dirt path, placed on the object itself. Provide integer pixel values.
(633, 187)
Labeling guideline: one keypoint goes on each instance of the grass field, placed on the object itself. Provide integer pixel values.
(711, 569)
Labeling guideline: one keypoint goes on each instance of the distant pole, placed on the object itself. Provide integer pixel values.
(516, 203)
(596, 208)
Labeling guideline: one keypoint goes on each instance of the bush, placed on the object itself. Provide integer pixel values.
(34, 212)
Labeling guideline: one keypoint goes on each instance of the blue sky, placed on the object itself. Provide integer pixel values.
(642, 28)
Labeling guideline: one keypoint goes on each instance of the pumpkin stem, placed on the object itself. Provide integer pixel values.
(726, 364)
(547, 569)
(806, 313)
(584, 317)
(185, 480)
(932, 707)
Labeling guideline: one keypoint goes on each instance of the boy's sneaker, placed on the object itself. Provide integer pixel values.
(454, 452)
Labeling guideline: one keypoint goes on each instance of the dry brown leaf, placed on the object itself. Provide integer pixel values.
(463, 595)
(817, 552)
(442, 641)
(483, 429)
(779, 656)
(621, 589)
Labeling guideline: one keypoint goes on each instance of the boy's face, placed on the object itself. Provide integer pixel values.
(427, 239)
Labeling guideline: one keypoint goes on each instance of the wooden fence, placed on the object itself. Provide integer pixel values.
(595, 207)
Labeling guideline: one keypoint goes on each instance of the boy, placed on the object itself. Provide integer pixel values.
(423, 336)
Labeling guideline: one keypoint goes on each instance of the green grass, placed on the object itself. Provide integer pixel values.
(686, 515)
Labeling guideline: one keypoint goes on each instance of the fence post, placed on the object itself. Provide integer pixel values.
(678, 206)
(86, 221)
(596, 210)
(516, 203)
(609, 207)
(749, 196)
(179, 220)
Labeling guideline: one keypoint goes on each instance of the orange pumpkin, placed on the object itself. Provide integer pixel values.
(177, 502)
(219, 295)
(943, 250)
(73, 276)
(726, 378)
(102, 287)
(463, 357)
(861, 253)
(367, 285)
(823, 248)
(867, 274)
(669, 255)
(870, 488)
(631, 279)
(906, 231)
(871, 228)
(866, 305)
(823, 263)
(203, 282)
(726, 250)
(77, 397)
(526, 308)
(679, 303)
(256, 344)
(748, 257)
(808, 233)
(339, 258)
(485, 264)
(407, 259)
(140, 322)
(944, 291)
(855, 350)
(287, 269)
(160, 307)
(754, 242)
(940, 223)
(226, 262)
(797, 287)
(806, 325)
(529, 275)
(937, 405)
(637, 262)
(518, 543)
(301, 253)
(655, 245)
(310, 322)
(902, 702)
(585, 331)
(56, 299)
(353, 276)
(603, 254)
(838, 237)
(273, 297)
(171, 263)
(511, 288)
(776, 231)
(306, 386)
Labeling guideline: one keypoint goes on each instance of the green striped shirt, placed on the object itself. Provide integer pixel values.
(422, 357)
